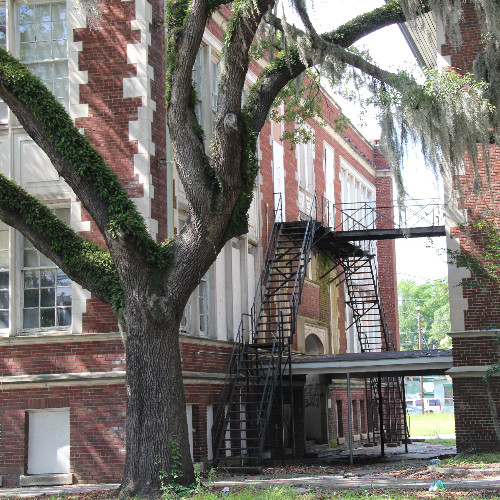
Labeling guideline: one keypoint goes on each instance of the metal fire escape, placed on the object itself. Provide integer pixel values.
(261, 356)
(366, 223)
(262, 350)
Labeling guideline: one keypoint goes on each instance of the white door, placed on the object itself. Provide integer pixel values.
(48, 442)
(279, 177)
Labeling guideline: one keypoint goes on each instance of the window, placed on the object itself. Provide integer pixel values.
(4, 275)
(199, 83)
(43, 45)
(203, 305)
(47, 292)
(4, 110)
(195, 317)
(357, 199)
(214, 74)
(305, 165)
(305, 160)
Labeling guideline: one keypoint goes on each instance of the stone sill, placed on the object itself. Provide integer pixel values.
(45, 479)
(474, 333)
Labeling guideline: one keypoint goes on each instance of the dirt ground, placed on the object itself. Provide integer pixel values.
(409, 474)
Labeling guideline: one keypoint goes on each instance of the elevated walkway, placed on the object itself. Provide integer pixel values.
(370, 364)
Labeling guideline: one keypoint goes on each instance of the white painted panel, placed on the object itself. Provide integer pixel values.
(34, 164)
(4, 155)
(253, 216)
(251, 275)
(221, 296)
(279, 174)
(189, 414)
(236, 288)
(210, 423)
(48, 442)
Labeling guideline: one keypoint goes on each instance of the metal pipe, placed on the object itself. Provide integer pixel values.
(349, 416)
(420, 348)
(381, 415)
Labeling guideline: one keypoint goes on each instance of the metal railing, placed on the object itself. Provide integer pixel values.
(378, 214)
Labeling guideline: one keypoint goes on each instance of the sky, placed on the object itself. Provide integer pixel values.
(419, 259)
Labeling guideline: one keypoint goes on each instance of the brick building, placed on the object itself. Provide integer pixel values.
(475, 311)
(62, 365)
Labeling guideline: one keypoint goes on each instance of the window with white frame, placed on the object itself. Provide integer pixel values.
(43, 44)
(305, 165)
(203, 301)
(196, 315)
(305, 160)
(47, 292)
(4, 276)
(214, 88)
(199, 83)
(4, 111)
(357, 199)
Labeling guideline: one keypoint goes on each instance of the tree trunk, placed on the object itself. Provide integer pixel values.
(157, 445)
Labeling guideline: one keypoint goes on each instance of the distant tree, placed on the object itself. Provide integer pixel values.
(433, 299)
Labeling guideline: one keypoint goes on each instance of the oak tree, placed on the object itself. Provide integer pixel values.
(149, 283)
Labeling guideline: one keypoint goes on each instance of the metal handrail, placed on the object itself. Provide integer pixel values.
(228, 388)
(371, 214)
(303, 258)
(264, 275)
(265, 405)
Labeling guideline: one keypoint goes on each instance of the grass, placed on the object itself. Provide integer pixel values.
(444, 442)
(431, 424)
(481, 459)
(280, 493)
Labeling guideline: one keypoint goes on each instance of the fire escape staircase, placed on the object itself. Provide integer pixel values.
(262, 351)
(385, 395)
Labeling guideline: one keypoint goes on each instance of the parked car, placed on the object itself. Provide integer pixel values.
(431, 405)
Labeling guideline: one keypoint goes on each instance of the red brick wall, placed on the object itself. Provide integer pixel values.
(97, 418)
(473, 417)
(482, 310)
(358, 408)
(100, 356)
(97, 412)
(474, 427)
(386, 253)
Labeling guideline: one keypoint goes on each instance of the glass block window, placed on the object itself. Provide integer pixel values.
(4, 275)
(47, 291)
(43, 45)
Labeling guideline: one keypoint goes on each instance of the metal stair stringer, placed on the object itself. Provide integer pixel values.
(261, 354)
(385, 401)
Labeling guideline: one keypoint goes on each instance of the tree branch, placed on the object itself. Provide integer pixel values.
(83, 261)
(282, 69)
(81, 166)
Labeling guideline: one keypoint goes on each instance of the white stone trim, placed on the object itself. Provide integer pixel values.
(62, 379)
(76, 20)
(470, 371)
(474, 333)
(140, 130)
(456, 275)
(94, 378)
(41, 338)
